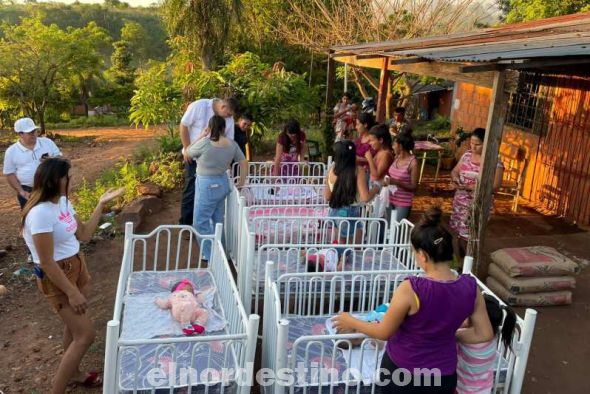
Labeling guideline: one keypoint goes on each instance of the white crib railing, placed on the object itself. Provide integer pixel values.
(517, 356)
(360, 256)
(172, 252)
(304, 170)
(295, 296)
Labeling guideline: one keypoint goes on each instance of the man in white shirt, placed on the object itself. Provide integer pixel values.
(193, 125)
(24, 156)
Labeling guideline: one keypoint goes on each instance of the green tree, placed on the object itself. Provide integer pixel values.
(137, 40)
(157, 98)
(205, 23)
(116, 4)
(121, 75)
(38, 61)
(527, 10)
(110, 18)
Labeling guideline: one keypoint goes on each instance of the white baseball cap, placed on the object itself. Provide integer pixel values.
(25, 125)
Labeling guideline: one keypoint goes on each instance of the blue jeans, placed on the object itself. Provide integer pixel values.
(210, 193)
(346, 229)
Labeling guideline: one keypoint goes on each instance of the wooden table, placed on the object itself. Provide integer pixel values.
(428, 150)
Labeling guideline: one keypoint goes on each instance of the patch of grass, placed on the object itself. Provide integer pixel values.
(91, 121)
(63, 138)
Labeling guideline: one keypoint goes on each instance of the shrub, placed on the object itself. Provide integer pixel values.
(170, 142)
(167, 174)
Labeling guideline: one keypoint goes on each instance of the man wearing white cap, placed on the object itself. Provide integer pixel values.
(23, 157)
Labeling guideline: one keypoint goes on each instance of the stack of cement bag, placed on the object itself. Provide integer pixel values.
(532, 276)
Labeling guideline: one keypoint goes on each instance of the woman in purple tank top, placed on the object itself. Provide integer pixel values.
(424, 315)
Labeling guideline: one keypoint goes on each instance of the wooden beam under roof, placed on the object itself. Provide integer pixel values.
(409, 60)
(370, 56)
(444, 70)
(448, 71)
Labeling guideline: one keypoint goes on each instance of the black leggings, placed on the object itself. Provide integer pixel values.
(447, 386)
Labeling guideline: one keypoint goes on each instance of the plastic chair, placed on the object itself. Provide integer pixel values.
(514, 175)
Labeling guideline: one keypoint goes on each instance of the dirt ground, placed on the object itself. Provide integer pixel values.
(30, 336)
(90, 151)
(560, 352)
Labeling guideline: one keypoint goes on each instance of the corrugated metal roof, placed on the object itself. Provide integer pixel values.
(554, 37)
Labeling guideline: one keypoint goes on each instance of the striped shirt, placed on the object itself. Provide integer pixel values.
(475, 367)
(401, 173)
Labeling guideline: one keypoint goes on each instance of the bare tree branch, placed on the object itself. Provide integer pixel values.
(319, 24)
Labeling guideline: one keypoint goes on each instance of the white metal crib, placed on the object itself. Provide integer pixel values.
(306, 172)
(308, 356)
(213, 362)
(362, 253)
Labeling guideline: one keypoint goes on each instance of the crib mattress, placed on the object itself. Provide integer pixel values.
(332, 356)
(142, 319)
(366, 360)
(145, 367)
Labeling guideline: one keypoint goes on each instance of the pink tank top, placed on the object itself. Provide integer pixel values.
(401, 197)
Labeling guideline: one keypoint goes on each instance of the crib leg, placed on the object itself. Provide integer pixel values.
(110, 360)
(530, 317)
(253, 321)
(281, 349)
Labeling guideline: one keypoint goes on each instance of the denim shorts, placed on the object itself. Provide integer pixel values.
(346, 229)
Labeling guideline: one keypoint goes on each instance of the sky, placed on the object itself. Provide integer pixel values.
(134, 3)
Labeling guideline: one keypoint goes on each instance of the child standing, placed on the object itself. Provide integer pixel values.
(475, 367)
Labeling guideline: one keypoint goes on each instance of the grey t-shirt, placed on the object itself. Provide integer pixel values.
(214, 160)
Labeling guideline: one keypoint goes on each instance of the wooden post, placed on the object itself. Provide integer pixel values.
(489, 161)
(328, 129)
(330, 85)
(382, 97)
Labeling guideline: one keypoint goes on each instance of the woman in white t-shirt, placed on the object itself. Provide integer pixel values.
(53, 232)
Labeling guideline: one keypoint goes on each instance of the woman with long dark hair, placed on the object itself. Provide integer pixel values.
(290, 150)
(424, 314)
(464, 177)
(53, 232)
(214, 154)
(403, 176)
(346, 187)
(381, 159)
(475, 368)
(364, 123)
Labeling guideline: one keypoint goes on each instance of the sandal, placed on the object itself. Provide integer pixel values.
(93, 380)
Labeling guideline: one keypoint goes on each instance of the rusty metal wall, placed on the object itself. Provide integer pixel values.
(560, 169)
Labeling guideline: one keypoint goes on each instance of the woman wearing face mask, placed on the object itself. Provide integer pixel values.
(53, 232)
(464, 177)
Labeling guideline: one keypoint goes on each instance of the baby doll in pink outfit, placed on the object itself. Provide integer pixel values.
(186, 307)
